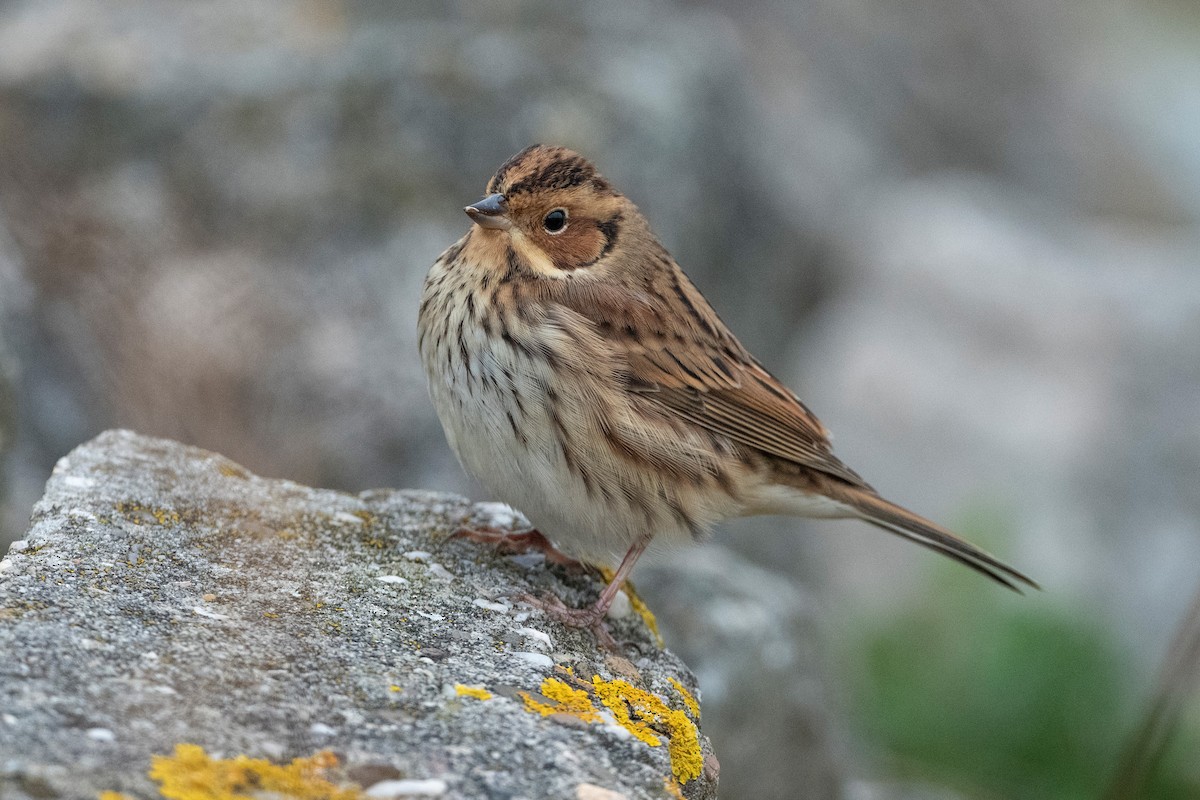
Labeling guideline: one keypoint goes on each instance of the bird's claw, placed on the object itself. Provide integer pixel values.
(590, 618)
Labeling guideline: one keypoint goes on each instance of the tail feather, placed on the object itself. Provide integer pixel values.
(902, 522)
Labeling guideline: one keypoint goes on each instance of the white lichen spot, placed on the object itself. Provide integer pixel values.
(321, 729)
(590, 791)
(203, 612)
(101, 735)
(395, 789)
(391, 579)
(440, 572)
(78, 481)
(500, 515)
(346, 518)
(540, 637)
(500, 608)
(612, 727)
(621, 607)
(537, 659)
(418, 555)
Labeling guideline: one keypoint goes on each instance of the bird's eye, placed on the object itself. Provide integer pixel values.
(555, 221)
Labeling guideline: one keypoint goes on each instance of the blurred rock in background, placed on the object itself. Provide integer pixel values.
(966, 233)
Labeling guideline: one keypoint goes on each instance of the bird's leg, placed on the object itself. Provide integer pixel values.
(592, 617)
(505, 541)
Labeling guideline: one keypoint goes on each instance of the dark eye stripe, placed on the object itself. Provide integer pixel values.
(610, 228)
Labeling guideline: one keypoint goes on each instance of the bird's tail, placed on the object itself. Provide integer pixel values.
(887, 515)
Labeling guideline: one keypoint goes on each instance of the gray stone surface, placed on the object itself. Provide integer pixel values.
(754, 639)
(164, 595)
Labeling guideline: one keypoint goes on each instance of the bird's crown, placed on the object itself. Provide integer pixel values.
(545, 167)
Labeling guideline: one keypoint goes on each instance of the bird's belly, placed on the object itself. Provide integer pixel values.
(538, 451)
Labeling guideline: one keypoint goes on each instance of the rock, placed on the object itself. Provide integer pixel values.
(168, 612)
(754, 640)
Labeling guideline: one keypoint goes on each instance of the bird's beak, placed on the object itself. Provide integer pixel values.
(490, 212)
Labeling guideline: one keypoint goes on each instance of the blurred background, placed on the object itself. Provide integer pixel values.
(966, 232)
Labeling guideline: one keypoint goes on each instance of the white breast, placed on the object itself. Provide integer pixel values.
(493, 401)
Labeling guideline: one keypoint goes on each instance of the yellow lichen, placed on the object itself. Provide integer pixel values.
(687, 761)
(645, 715)
(688, 700)
(638, 605)
(643, 611)
(134, 513)
(114, 796)
(190, 774)
(616, 699)
(639, 711)
(478, 692)
(565, 700)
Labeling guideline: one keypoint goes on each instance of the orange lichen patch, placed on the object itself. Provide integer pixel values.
(564, 700)
(478, 692)
(640, 712)
(190, 774)
(688, 700)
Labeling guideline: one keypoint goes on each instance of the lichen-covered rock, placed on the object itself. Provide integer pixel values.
(171, 617)
(754, 639)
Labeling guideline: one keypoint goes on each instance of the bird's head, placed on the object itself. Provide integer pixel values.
(555, 209)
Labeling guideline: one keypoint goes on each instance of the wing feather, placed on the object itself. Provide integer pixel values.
(681, 357)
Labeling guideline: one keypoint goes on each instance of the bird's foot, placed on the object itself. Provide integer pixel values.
(589, 619)
(507, 542)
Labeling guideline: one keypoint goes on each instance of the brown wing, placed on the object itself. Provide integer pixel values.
(681, 356)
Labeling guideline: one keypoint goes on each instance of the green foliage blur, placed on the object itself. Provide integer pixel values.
(1019, 698)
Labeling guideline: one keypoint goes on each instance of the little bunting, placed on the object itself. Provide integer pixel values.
(583, 379)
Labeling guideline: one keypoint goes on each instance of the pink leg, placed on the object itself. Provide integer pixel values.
(610, 592)
(592, 617)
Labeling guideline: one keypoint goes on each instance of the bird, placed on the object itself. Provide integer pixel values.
(583, 379)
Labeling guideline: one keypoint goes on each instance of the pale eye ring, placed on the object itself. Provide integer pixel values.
(555, 222)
